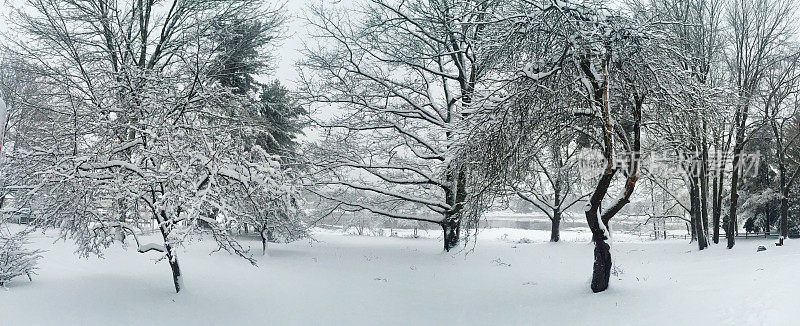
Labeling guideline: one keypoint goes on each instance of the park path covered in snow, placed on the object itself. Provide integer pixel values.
(354, 280)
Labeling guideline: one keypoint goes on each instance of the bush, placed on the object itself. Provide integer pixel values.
(750, 226)
(15, 260)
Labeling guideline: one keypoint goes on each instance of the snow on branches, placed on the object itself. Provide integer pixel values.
(399, 79)
(15, 259)
(137, 131)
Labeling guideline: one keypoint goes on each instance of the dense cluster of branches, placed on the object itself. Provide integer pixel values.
(434, 110)
(430, 111)
(125, 113)
(15, 259)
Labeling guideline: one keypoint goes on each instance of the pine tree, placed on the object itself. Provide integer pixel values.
(278, 110)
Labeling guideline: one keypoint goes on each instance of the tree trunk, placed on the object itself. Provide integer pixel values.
(784, 224)
(263, 241)
(738, 146)
(767, 220)
(717, 205)
(601, 269)
(452, 231)
(697, 216)
(601, 272)
(177, 278)
(704, 194)
(455, 195)
(598, 222)
(731, 231)
(555, 226)
(692, 209)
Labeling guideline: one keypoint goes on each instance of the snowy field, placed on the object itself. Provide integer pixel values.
(358, 280)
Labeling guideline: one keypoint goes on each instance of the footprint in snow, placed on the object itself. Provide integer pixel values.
(499, 262)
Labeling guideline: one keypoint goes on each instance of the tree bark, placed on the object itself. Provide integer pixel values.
(601, 269)
(784, 223)
(731, 231)
(716, 208)
(601, 272)
(555, 226)
(697, 216)
(171, 254)
(704, 193)
(177, 278)
(741, 124)
(456, 195)
(263, 241)
(452, 231)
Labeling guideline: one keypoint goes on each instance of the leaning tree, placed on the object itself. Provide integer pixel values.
(592, 71)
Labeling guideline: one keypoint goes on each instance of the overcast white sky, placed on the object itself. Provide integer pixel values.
(288, 52)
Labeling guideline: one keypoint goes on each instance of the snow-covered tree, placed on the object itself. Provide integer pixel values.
(759, 31)
(553, 184)
(780, 107)
(395, 79)
(133, 127)
(15, 259)
(693, 123)
(590, 70)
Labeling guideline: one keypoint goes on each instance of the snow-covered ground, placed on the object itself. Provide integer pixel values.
(358, 280)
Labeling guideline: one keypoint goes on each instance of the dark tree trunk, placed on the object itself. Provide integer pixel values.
(704, 194)
(598, 222)
(176, 270)
(692, 210)
(601, 272)
(456, 195)
(767, 220)
(717, 205)
(555, 226)
(264, 236)
(741, 124)
(731, 231)
(601, 269)
(452, 231)
(784, 223)
(171, 255)
(697, 216)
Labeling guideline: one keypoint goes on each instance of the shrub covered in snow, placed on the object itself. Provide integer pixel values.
(15, 259)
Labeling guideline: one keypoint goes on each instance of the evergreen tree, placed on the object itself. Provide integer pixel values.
(280, 112)
(240, 50)
(240, 60)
